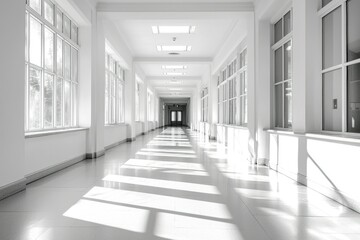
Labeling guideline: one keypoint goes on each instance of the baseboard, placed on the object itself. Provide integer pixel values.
(115, 144)
(95, 154)
(131, 139)
(212, 138)
(12, 188)
(334, 194)
(50, 170)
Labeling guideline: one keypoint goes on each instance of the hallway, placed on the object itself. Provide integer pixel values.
(172, 184)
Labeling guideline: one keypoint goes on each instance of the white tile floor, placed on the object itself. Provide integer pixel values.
(172, 185)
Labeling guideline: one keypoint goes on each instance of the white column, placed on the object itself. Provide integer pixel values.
(213, 105)
(130, 103)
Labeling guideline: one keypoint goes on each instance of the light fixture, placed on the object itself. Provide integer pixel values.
(174, 67)
(175, 89)
(174, 73)
(173, 29)
(174, 48)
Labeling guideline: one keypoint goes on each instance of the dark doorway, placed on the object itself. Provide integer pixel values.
(176, 118)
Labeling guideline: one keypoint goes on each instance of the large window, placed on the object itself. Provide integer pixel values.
(232, 91)
(282, 52)
(51, 66)
(137, 100)
(204, 104)
(114, 91)
(150, 106)
(341, 67)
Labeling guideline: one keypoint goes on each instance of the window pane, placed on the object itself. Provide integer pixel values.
(288, 105)
(106, 98)
(331, 39)
(287, 23)
(74, 104)
(353, 31)
(36, 5)
(49, 49)
(49, 11)
(353, 114)
(66, 26)
(74, 64)
(48, 100)
(279, 106)
(26, 36)
(173, 116)
(67, 57)
(278, 31)
(35, 42)
(34, 99)
(59, 20)
(59, 101)
(74, 32)
(278, 65)
(287, 61)
(59, 56)
(332, 101)
(67, 104)
(325, 2)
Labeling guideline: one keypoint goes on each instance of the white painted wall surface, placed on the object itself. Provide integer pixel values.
(115, 134)
(59, 148)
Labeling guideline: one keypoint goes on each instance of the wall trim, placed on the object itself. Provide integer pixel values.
(12, 188)
(115, 144)
(262, 161)
(131, 139)
(32, 177)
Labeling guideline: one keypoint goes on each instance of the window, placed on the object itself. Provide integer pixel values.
(204, 105)
(137, 101)
(232, 91)
(150, 106)
(114, 91)
(282, 51)
(51, 65)
(341, 75)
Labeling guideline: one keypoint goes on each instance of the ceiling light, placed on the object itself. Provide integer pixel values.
(173, 29)
(175, 89)
(174, 73)
(181, 48)
(174, 67)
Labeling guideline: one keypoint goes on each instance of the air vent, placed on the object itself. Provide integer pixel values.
(174, 53)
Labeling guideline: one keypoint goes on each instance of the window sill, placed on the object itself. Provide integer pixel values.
(338, 137)
(53, 132)
(233, 126)
(116, 125)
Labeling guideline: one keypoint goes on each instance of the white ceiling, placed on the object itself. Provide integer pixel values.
(212, 30)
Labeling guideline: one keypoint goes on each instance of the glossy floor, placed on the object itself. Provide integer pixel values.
(172, 184)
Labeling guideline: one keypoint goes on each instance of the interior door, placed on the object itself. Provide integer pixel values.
(176, 118)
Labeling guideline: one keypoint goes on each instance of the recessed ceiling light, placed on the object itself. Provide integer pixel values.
(174, 73)
(179, 48)
(174, 67)
(173, 29)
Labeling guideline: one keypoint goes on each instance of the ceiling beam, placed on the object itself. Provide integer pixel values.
(176, 7)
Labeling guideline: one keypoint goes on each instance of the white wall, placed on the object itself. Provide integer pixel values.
(115, 134)
(48, 151)
(12, 142)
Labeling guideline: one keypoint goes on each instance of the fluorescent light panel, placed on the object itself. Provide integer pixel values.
(178, 48)
(174, 67)
(173, 29)
(174, 73)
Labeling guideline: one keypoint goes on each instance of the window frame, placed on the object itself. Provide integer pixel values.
(276, 45)
(114, 96)
(74, 83)
(323, 12)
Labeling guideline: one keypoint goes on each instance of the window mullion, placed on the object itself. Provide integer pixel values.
(344, 68)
